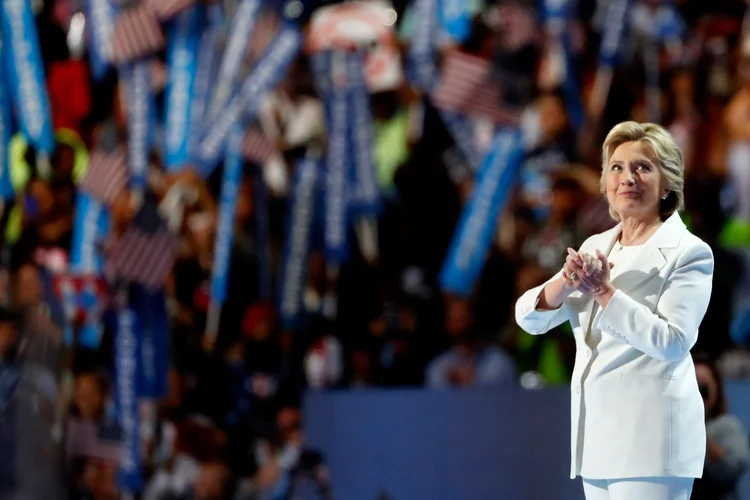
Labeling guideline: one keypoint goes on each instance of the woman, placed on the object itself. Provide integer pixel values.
(727, 449)
(634, 296)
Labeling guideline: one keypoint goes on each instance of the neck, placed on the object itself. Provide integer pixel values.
(635, 232)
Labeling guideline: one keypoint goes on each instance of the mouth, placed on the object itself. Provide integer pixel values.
(629, 194)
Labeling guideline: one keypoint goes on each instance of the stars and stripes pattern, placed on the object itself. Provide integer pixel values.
(74, 290)
(257, 147)
(466, 86)
(137, 33)
(141, 256)
(107, 174)
(167, 9)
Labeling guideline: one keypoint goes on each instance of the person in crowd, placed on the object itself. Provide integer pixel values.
(634, 296)
(738, 156)
(560, 230)
(471, 361)
(727, 446)
(287, 467)
(9, 375)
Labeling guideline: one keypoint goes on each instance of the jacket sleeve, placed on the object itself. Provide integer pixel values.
(535, 321)
(669, 333)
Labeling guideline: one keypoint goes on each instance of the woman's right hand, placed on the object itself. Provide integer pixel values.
(575, 269)
(556, 291)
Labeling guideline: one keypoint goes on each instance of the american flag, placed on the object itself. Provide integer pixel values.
(466, 86)
(145, 252)
(137, 33)
(107, 174)
(257, 147)
(64, 284)
(167, 9)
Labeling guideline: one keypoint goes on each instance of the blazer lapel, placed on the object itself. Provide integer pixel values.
(651, 259)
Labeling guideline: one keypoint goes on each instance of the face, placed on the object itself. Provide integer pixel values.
(43, 195)
(457, 317)
(707, 385)
(633, 182)
(8, 338)
(552, 117)
(89, 397)
(99, 477)
(210, 482)
(28, 287)
(245, 202)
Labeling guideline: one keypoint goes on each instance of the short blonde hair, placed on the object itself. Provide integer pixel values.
(667, 154)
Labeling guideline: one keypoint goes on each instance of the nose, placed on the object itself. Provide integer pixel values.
(627, 178)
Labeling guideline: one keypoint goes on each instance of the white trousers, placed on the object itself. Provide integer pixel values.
(642, 488)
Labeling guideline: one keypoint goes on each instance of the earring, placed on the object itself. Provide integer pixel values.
(665, 196)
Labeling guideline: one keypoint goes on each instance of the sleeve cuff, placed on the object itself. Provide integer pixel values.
(616, 309)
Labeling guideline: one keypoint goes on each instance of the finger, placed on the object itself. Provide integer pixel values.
(592, 264)
(603, 259)
(574, 255)
(611, 265)
(574, 265)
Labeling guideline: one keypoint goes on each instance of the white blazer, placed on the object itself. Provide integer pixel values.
(635, 406)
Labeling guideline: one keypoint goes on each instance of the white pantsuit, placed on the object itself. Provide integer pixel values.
(635, 407)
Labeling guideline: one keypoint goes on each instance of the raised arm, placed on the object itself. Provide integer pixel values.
(670, 332)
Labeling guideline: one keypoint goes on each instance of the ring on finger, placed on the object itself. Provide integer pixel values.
(573, 276)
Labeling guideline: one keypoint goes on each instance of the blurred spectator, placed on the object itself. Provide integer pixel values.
(287, 469)
(727, 449)
(561, 229)
(9, 375)
(471, 361)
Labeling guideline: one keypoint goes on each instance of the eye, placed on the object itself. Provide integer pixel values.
(644, 166)
(616, 168)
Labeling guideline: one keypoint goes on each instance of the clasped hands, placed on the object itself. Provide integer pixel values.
(586, 273)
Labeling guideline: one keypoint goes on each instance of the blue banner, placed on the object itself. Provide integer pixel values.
(336, 201)
(297, 242)
(26, 74)
(422, 70)
(151, 312)
(455, 19)
(669, 26)
(263, 235)
(90, 228)
(473, 236)
(365, 198)
(246, 103)
(613, 32)
(100, 19)
(557, 16)
(234, 54)
(556, 10)
(207, 63)
(6, 131)
(320, 63)
(140, 113)
(127, 367)
(230, 186)
(182, 64)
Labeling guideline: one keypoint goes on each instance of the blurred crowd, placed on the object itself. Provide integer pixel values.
(230, 426)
